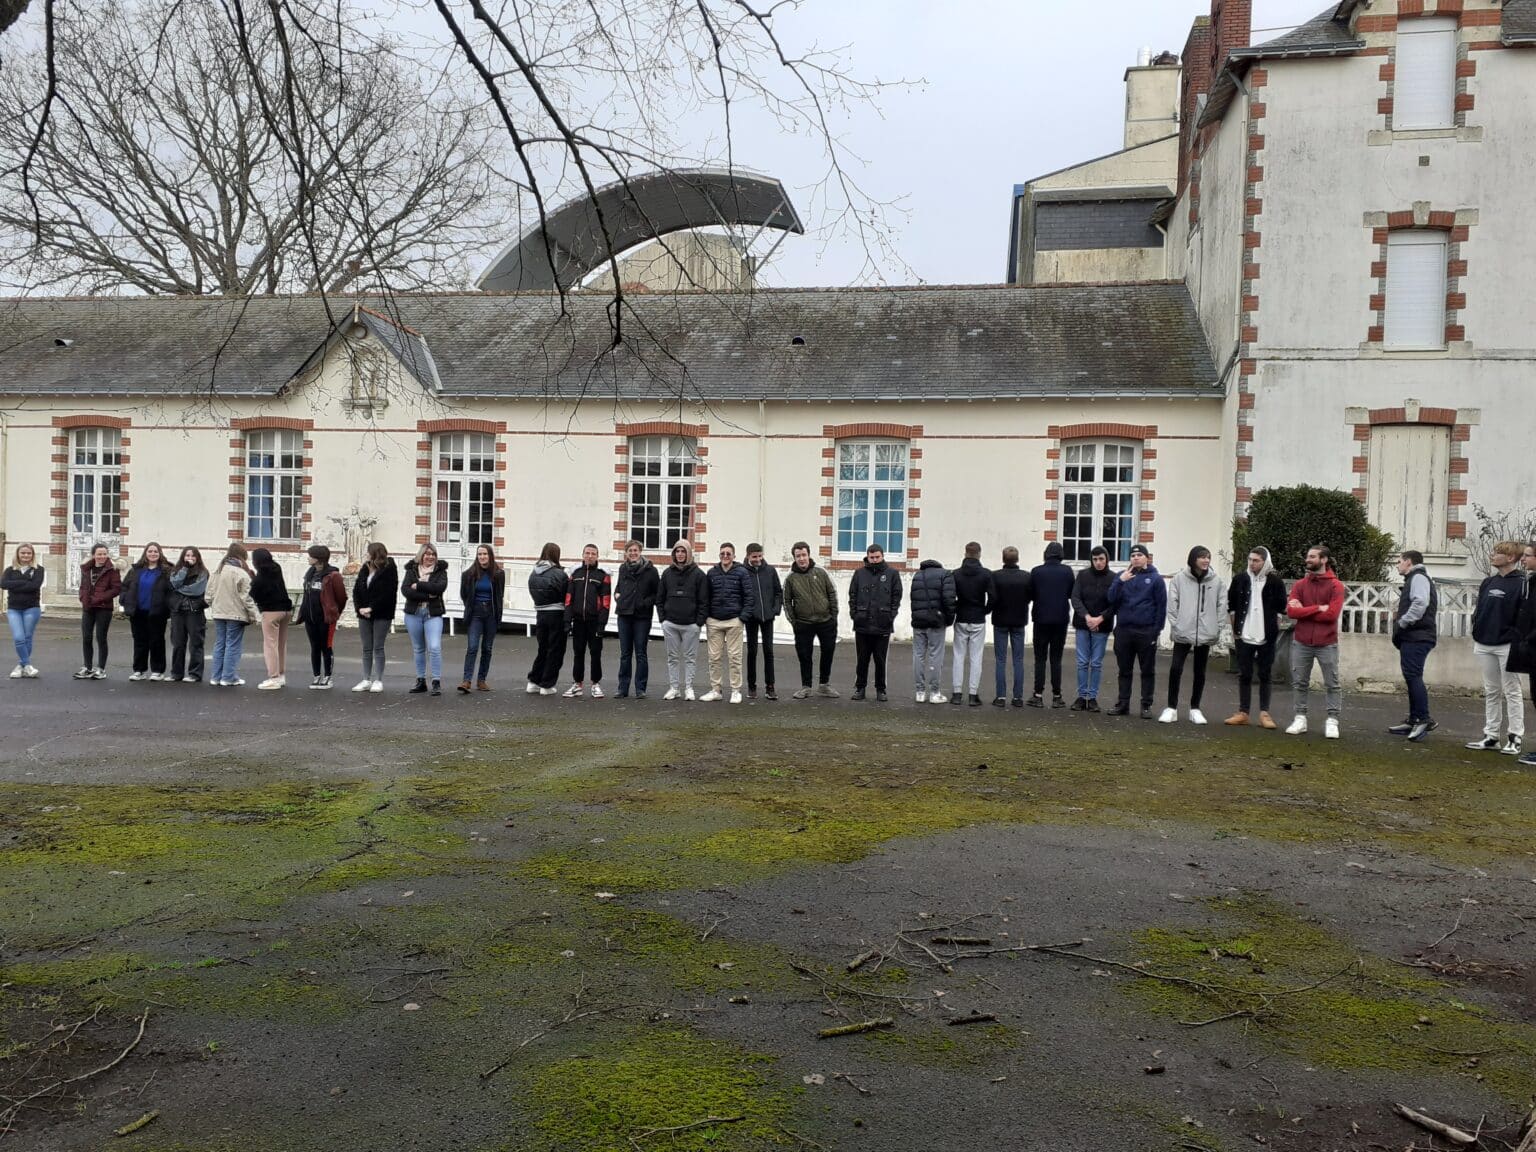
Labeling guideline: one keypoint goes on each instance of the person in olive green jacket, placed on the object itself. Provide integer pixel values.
(810, 606)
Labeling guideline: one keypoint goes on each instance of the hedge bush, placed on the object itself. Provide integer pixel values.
(1288, 521)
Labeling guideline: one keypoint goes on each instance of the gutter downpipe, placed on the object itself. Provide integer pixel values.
(762, 468)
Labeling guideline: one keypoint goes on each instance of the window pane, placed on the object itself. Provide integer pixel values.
(1415, 297)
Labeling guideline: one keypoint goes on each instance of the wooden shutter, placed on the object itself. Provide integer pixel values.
(1424, 78)
(1410, 471)
(1415, 313)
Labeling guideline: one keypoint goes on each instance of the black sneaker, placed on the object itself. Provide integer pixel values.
(1058, 702)
(1421, 729)
(1146, 713)
(957, 699)
(421, 686)
(639, 695)
(1092, 705)
(1120, 709)
(999, 702)
(1079, 705)
(858, 694)
(975, 701)
(1018, 701)
(880, 696)
(769, 693)
(1037, 701)
(1402, 728)
(622, 694)
(437, 687)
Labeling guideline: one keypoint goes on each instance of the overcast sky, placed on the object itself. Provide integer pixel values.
(1014, 89)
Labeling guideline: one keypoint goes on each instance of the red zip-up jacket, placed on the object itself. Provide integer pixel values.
(1322, 600)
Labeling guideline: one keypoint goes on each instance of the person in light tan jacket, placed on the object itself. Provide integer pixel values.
(232, 609)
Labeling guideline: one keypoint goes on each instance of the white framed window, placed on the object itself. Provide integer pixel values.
(1424, 74)
(464, 488)
(661, 490)
(1408, 483)
(274, 484)
(871, 497)
(1099, 490)
(1416, 283)
(95, 482)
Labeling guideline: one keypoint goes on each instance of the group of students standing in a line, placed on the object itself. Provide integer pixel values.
(732, 602)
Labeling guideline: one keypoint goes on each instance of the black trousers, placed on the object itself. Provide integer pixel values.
(1050, 642)
(148, 641)
(1249, 657)
(94, 623)
(188, 630)
(322, 640)
(586, 641)
(1182, 652)
(806, 636)
(549, 630)
(754, 629)
(871, 647)
(1135, 646)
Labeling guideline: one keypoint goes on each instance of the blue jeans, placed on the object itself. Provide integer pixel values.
(634, 635)
(426, 633)
(1090, 662)
(1411, 657)
(482, 634)
(1001, 637)
(228, 640)
(23, 624)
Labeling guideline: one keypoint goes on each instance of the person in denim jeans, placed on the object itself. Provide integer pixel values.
(1094, 621)
(232, 609)
(1010, 613)
(634, 602)
(23, 585)
(482, 592)
(422, 584)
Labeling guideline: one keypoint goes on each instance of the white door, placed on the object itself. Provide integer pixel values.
(1410, 468)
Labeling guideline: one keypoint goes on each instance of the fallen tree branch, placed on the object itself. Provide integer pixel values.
(854, 1029)
(973, 1018)
(132, 1127)
(8, 1116)
(860, 960)
(1430, 1124)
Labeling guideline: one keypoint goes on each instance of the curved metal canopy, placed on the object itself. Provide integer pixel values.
(571, 243)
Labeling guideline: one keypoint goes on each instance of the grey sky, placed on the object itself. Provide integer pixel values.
(1015, 88)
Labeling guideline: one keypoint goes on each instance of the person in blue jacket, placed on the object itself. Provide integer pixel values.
(1140, 602)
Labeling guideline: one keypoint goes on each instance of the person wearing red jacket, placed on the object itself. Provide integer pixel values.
(100, 586)
(1315, 603)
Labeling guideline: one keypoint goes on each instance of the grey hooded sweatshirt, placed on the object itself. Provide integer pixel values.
(1196, 607)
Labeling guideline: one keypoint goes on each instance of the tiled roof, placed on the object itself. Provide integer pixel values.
(788, 344)
(1326, 34)
(1519, 21)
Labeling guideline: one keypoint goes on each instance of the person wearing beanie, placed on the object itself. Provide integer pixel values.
(1255, 603)
(1139, 599)
(1196, 604)
(1094, 621)
(1050, 612)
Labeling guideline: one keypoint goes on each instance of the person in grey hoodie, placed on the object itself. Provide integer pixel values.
(547, 585)
(682, 600)
(1196, 607)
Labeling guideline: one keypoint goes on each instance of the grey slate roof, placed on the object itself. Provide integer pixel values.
(859, 344)
(1520, 21)
(1326, 34)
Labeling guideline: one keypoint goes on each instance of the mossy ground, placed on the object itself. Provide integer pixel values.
(467, 882)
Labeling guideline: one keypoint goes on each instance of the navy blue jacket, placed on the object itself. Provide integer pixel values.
(1051, 588)
(1141, 603)
(730, 593)
(767, 592)
(1498, 607)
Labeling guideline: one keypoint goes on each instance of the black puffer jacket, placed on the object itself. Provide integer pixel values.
(416, 589)
(933, 596)
(1090, 597)
(547, 584)
(684, 595)
(636, 588)
(1051, 587)
(767, 593)
(1010, 597)
(973, 592)
(874, 599)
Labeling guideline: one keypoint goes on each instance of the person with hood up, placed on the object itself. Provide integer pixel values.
(933, 611)
(1051, 586)
(1255, 603)
(1139, 598)
(482, 595)
(682, 598)
(634, 602)
(375, 596)
(547, 585)
(100, 585)
(146, 603)
(874, 599)
(588, 599)
(1010, 613)
(1315, 603)
(973, 602)
(767, 603)
(1196, 605)
(1415, 630)
(1093, 621)
(730, 602)
(810, 606)
(1522, 654)
(23, 587)
(1494, 632)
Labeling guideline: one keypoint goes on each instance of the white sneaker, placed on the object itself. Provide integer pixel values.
(938, 698)
(135, 677)
(573, 691)
(99, 674)
(596, 692)
(672, 694)
(735, 697)
(16, 672)
(921, 697)
(546, 691)
(282, 681)
(376, 686)
(270, 684)
(1511, 746)
(1196, 716)
(1169, 716)
(1330, 729)
(1298, 727)
(687, 694)
(157, 676)
(709, 697)
(362, 686)
(30, 672)
(215, 683)
(532, 689)
(83, 674)
(315, 683)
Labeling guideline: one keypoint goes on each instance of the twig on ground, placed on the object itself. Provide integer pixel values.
(1430, 1124)
(850, 990)
(1528, 1143)
(973, 1018)
(132, 1127)
(962, 941)
(675, 1129)
(1451, 931)
(575, 1013)
(860, 1026)
(718, 920)
(8, 1116)
(852, 1083)
(860, 960)
(1217, 1019)
(969, 953)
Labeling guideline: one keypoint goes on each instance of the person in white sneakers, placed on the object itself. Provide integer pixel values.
(732, 599)
(269, 589)
(1315, 603)
(232, 611)
(23, 586)
(588, 599)
(1494, 629)
(682, 602)
(1196, 606)
(376, 597)
(932, 599)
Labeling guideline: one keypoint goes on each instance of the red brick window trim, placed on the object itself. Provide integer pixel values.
(461, 424)
(867, 430)
(1102, 431)
(60, 526)
(1457, 228)
(661, 428)
(624, 485)
(1457, 465)
(263, 423)
(92, 421)
(239, 462)
(1142, 479)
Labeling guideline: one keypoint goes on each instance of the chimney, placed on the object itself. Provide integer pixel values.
(1151, 98)
(1196, 83)
(1232, 23)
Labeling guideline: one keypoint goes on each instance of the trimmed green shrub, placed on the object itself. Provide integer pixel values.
(1288, 521)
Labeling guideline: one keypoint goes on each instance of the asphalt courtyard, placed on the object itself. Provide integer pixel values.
(294, 920)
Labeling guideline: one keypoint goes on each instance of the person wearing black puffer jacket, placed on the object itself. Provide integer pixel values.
(634, 602)
(422, 584)
(933, 611)
(547, 585)
(1094, 620)
(973, 601)
(1051, 586)
(767, 603)
(145, 595)
(1011, 591)
(874, 599)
